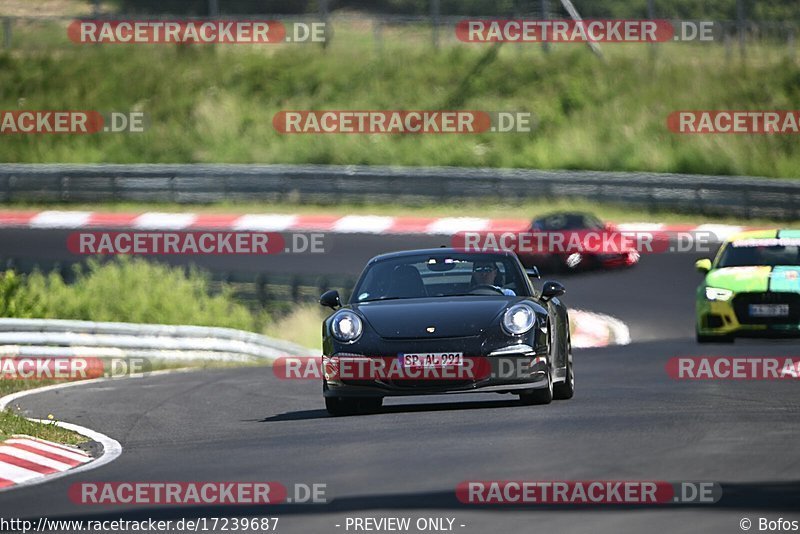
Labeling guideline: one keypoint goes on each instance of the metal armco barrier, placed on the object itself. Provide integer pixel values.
(737, 196)
(55, 337)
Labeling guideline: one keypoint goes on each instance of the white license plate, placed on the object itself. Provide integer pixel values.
(433, 359)
(769, 310)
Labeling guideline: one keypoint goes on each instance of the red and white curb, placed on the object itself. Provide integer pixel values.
(590, 330)
(270, 222)
(23, 458)
(26, 461)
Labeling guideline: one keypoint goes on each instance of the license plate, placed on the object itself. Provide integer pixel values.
(433, 359)
(769, 310)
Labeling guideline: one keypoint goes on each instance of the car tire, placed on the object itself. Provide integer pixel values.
(566, 389)
(703, 338)
(538, 396)
(339, 406)
(344, 406)
(370, 405)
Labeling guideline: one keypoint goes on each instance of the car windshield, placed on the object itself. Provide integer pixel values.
(440, 275)
(563, 222)
(765, 252)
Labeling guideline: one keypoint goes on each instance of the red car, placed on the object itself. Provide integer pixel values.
(572, 241)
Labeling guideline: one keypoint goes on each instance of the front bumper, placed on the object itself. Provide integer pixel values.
(505, 373)
(720, 318)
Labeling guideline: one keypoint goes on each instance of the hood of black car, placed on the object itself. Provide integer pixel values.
(430, 318)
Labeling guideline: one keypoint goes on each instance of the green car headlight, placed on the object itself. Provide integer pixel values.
(717, 293)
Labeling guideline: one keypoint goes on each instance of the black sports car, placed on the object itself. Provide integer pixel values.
(443, 321)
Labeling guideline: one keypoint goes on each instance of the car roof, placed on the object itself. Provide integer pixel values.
(564, 213)
(440, 250)
(753, 234)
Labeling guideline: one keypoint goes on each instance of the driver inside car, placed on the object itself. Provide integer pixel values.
(485, 274)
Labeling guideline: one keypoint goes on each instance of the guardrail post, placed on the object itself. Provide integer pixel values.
(295, 289)
(324, 13)
(435, 21)
(7, 22)
(377, 35)
(727, 40)
(740, 23)
(545, 15)
(261, 290)
(651, 15)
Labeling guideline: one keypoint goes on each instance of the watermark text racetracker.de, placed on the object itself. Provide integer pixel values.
(777, 122)
(190, 493)
(453, 366)
(587, 30)
(733, 368)
(74, 122)
(195, 32)
(586, 492)
(195, 243)
(605, 241)
(71, 367)
(401, 122)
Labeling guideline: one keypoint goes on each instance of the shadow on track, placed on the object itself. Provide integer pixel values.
(303, 415)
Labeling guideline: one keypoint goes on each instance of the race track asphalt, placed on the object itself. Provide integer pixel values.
(628, 421)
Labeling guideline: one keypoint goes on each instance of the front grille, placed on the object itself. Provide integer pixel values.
(428, 384)
(742, 302)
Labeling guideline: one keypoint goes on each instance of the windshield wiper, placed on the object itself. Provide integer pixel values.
(384, 298)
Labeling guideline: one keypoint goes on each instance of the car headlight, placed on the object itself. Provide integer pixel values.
(717, 293)
(346, 326)
(518, 319)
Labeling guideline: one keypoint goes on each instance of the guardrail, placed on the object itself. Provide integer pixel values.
(744, 197)
(55, 337)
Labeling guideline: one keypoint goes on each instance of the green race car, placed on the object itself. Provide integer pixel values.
(752, 288)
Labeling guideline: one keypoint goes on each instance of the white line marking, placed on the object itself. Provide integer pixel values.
(365, 224)
(164, 221)
(60, 219)
(722, 231)
(264, 223)
(453, 225)
(639, 227)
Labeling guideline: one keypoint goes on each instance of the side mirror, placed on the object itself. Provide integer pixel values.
(703, 265)
(552, 289)
(330, 299)
(533, 272)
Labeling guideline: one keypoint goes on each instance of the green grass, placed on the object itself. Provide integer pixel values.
(303, 326)
(126, 290)
(216, 104)
(11, 424)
